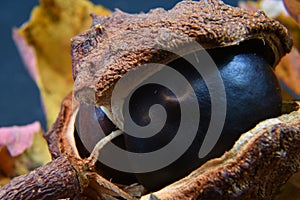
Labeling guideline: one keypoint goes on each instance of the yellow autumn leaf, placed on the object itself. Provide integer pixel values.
(48, 31)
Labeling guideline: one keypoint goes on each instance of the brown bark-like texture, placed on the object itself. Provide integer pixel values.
(55, 180)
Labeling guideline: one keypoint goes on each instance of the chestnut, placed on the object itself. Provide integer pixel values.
(93, 121)
(252, 93)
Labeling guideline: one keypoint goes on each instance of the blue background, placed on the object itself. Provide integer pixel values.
(19, 96)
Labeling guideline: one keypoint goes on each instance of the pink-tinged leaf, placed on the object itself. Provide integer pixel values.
(18, 138)
(293, 7)
(27, 54)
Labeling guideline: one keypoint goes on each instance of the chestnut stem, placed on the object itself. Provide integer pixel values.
(55, 180)
(92, 159)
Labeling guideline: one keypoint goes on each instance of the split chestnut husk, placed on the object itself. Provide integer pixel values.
(264, 152)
